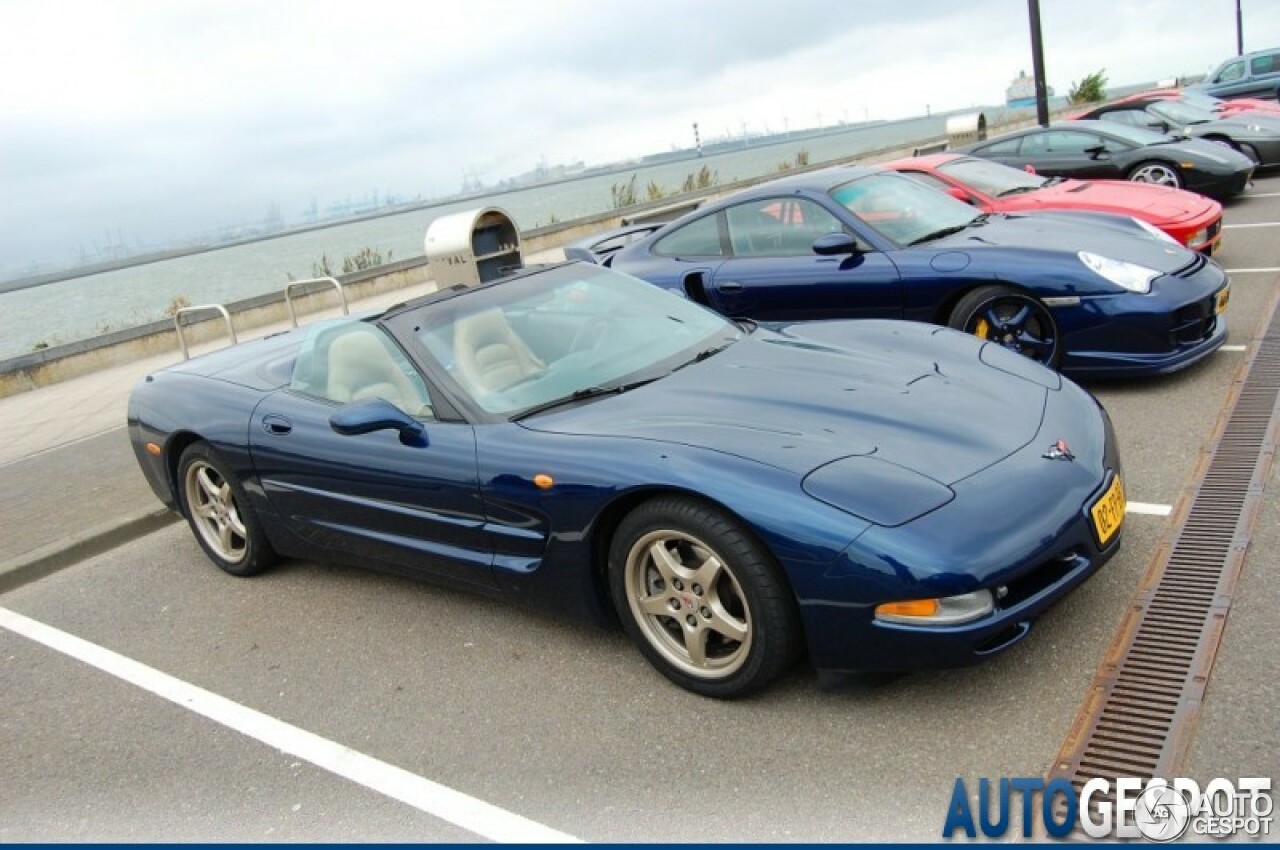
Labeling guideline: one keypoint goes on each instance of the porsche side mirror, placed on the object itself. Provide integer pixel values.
(835, 244)
(376, 414)
(1097, 151)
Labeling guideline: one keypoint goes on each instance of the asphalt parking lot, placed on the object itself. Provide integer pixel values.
(558, 723)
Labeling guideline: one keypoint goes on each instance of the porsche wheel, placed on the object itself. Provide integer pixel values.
(703, 601)
(1159, 173)
(1012, 318)
(219, 513)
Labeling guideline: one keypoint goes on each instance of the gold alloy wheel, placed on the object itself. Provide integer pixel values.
(214, 512)
(688, 604)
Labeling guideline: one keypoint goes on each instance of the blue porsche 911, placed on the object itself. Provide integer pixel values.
(1089, 293)
(878, 495)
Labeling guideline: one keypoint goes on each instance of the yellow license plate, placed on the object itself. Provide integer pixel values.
(1223, 297)
(1108, 512)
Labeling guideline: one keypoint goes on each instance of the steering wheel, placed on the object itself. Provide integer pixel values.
(590, 334)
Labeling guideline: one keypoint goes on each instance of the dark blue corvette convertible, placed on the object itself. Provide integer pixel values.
(880, 495)
(1089, 293)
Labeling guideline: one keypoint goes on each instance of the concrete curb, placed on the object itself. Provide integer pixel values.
(46, 560)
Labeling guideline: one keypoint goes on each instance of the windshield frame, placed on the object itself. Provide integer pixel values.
(404, 323)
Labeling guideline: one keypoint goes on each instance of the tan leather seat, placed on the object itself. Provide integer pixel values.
(489, 355)
(360, 367)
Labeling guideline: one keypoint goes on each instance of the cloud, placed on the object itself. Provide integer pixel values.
(160, 121)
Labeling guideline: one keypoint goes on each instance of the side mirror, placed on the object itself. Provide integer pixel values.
(835, 244)
(376, 414)
(1159, 126)
(1097, 151)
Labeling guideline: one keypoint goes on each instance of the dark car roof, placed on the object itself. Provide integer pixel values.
(822, 180)
(1106, 128)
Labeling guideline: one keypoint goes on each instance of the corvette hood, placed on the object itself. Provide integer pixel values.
(801, 396)
(1121, 197)
(1068, 233)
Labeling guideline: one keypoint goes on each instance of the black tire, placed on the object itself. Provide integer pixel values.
(219, 513)
(1157, 172)
(746, 595)
(996, 313)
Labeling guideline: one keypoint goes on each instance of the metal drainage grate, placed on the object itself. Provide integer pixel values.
(1140, 713)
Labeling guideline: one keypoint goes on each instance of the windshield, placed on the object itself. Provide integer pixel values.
(564, 333)
(991, 178)
(1128, 133)
(1199, 100)
(903, 210)
(1181, 113)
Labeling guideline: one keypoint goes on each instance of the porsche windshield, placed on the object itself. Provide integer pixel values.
(568, 334)
(992, 178)
(902, 210)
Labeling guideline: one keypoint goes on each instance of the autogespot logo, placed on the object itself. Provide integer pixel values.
(1155, 809)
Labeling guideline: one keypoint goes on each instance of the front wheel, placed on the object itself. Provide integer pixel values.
(701, 598)
(1159, 173)
(219, 513)
(1012, 318)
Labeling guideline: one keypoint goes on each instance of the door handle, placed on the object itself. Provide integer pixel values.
(274, 423)
(729, 286)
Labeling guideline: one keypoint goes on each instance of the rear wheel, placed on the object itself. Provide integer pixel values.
(701, 598)
(219, 513)
(1159, 173)
(1012, 318)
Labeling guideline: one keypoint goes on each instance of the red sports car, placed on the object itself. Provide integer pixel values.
(1224, 108)
(1191, 219)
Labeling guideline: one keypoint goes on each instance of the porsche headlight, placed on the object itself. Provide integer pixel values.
(1155, 232)
(1130, 276)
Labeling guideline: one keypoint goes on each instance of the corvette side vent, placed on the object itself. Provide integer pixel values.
(1139, 715)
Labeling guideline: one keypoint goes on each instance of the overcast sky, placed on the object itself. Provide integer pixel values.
(163, 119)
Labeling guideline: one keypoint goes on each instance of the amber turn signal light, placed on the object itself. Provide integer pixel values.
(908, 608)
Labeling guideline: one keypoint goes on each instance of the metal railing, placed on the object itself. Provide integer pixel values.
(200, 308)
(288, 295)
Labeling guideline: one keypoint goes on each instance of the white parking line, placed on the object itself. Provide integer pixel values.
(1252, 271)
(452, 806)
(1148, 509)
(1264, 195)
(1234, 348)
(1258, 224)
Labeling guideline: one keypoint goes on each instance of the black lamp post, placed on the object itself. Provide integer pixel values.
(1037, 64)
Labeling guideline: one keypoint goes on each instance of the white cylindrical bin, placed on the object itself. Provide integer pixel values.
(966, 129)
(471, 247)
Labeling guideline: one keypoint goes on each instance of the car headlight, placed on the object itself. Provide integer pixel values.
(1198, 238)
(1154, 231)
(1130, 276)
(945, 611)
